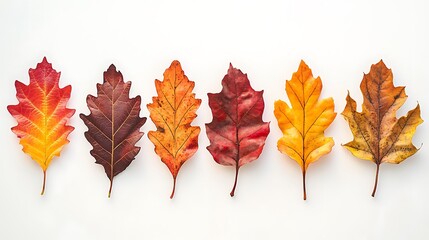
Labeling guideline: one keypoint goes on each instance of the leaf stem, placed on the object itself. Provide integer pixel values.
(303, 184)
(376, 180)
(235, 182)
(110, 189)
(44, 182)
(174, 188)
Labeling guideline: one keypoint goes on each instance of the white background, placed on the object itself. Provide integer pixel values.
(339, 40)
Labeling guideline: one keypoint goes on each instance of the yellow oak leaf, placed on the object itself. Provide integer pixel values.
(378, 135)
(304, 122)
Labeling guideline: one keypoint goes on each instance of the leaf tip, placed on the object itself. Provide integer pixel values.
(348, 97)
(82, 116)
(302, 66)
(112, 67)
(44, 64)
(380, 65)
(175, 63)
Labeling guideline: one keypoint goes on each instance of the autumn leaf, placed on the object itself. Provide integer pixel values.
(237, 133)
(172, 112)
(113, 124)
(303, 124)
(42, 115)
(378, 135)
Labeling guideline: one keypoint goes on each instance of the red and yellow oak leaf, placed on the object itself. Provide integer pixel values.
(237, 133)
(114, 124)
(378, 135)
(303, 124)
(42, 115)
(172, 112)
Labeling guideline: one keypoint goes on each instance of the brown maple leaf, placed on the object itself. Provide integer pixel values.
(378, 135)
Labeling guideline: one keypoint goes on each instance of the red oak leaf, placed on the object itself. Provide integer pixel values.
(42, 115)
(237, 133)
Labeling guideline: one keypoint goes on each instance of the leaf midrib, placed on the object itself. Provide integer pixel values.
(380, 117)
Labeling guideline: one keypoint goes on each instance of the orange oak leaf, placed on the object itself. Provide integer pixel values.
(378, 135)
(172, 112)
(237, 133)
(42, 115)
(303, 124)
(114, 124)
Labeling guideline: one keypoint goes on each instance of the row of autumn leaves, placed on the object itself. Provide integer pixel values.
(237, 133)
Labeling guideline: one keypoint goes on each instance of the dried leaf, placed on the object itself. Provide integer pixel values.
(42, 115)
(237, 133)
(378, 135)
(113, 124)
(303, 124)
(172, 112)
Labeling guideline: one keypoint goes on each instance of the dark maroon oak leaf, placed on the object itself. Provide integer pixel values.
(237, 133)
(114, 124)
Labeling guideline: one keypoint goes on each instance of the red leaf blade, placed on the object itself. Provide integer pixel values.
(237, 133)
(42, 115)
